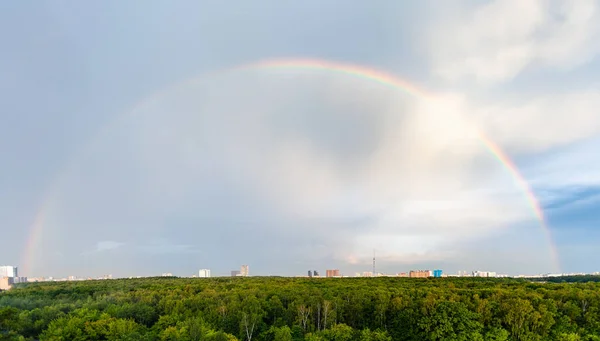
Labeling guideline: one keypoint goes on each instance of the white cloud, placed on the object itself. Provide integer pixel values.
(542, 122)
(550, 132)
(287, 158)
(497, 40)
(107, 245)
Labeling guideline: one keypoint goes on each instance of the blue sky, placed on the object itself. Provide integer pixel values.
(295, 170)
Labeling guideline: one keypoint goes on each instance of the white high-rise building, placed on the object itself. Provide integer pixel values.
(245, 270)
(204, 273)
(8, 271)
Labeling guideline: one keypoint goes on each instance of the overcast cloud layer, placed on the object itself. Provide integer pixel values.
(291, 170)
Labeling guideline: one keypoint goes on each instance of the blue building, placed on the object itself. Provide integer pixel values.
(437, 273)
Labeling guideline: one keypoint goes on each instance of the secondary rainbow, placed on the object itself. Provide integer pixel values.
(358, 71)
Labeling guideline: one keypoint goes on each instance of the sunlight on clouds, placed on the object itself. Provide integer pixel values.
(481, 42)
(543, 122)
(497, 40)
(296, 158)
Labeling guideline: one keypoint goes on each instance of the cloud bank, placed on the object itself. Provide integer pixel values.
(293, 169)
(494, 41)
(279, 167)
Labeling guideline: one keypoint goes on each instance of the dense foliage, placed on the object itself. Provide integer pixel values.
(568, 279)
(278, 309)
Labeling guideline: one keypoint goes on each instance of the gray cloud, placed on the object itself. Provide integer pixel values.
(293, 169)
(255, 168)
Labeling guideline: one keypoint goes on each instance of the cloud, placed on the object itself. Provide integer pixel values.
(495, 41)
(284, 167)
(165, 247)
(102, 246)
(322, 169)
(541, 123)
(107, 245)
(497, 56)
(574, 168)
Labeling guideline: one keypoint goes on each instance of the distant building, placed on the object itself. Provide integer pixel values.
(20, 280)
(419, 273)
(437, 273)
(166, 274)
(6, 283)
(332, 273)
(484, 274)
(244, 270)
(235, 273)
(367, 274)
(310, 273)
(315, 273)
(9, 271)
(204, 273)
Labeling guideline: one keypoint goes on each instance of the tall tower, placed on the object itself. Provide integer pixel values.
(374, 275)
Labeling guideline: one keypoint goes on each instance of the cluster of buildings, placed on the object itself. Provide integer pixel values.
(243, 272)
(204, 273)
(68, 278)
(333, 273)
(491, 274)
(9, 275)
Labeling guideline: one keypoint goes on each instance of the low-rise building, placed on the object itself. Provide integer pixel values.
(419, 274)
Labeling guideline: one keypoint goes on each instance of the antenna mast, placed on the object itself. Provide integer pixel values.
(374, 263)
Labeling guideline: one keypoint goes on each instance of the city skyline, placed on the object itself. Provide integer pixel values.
(327, 273)
(299, 135)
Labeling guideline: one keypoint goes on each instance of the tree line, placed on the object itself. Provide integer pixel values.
(286, 309)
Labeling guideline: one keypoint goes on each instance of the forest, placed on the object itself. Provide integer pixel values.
(278, 309)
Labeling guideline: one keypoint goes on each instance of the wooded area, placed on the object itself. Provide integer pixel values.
(269, 309)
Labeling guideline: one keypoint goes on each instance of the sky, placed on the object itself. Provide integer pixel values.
(132, 143)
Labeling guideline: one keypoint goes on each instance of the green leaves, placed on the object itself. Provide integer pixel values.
(338, 332)
(451, 321)
(290, 309)
(368, 335)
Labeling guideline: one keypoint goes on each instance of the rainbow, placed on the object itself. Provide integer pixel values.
(360, 72)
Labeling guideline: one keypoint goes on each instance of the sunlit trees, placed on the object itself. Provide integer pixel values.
(451, 321)
(377, 335)
(286, 309)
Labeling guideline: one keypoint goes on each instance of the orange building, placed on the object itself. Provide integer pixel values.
(6, 283)
(419, 274)
(332, 273)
